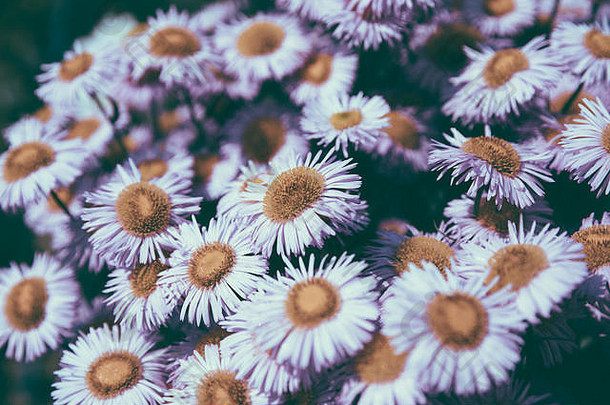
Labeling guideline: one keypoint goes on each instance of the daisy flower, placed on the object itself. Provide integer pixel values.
(89, 68)
(71, 244)
(91, 126)
(222, 81)
(38, 306)
(548, 137)
(129, 219)
(439, 46)
(215, 171)
(258, 366)
(569, 10)
(585, 48)
(173, 46)
(310, 9)
(329, 70)
(312, 318)
(497, 83)
(380, 7)
(489, 220)
(396, 225)
(508, 171)
(211, 379)
(500, 17)
(460, 336)
(209, 17)
(343, 119)
(110, 367)
(36, 163)
(403, 141)
(213, 268)
(138, 93)
(196, 339)
(263, 47)
(363, 29)
(265, 132)
(156, 162)
(381, 375)
(138, 299)
(301, 203)
(234, 192)
(595, 238)
(541, 266)
(392, 253)
(114, 29)
(46, 217)
(587, 145)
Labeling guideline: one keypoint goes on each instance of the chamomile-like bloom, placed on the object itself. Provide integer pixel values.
(46, 217)
(300, 203)
(265, 132)
(214, 171)
(497, 83)
(488, 220)
(585, 48)
(542, 266)
(263, 47)
(236, 189)
(363, 29)
(173, 46)
(508, 171)
(89, 68)
(111, 367)
(460, 336)
(403, 141)
(260, 367)
(138, 299)
(312, 317)
(211, 379)
(595, 237)
(329, 70)
(88, 124)
(156, 161)
(381, 7)
(500, 17)
(392, 253)
(342, 119)
(587, 144)
(37, 306)
(36, 163)
(381, 375)
(213, 268)
(310, 9)
(129, 219)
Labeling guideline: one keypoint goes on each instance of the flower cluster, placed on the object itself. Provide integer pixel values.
(248, 184)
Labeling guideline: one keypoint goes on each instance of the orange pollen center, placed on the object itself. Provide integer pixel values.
(459, 320)
(596, 244)
(317, 69)
(211, 337)
(503, 65)
(222, 387)
(311, 302)
(402, 130)
(152, 168)
(44, 114)
(293, 192)
(422, 248)
(498, 8)
(143, 209)
(263, 138)
(25, 305)
(174, 42)
(210, 264)
(495, 219)
(517, 265)
(378, 363)
(204, 167)
(260, 39)
(598, 44)
(143, 278)
(496, 152)
(72, 68)
(113, 373)
(83, 129)
(346, 119)
(25, 159)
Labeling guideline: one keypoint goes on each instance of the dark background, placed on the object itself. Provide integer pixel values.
(39, 31)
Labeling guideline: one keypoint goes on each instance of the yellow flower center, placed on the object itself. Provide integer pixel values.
(176, 42)
(210, 264)
(25, 159)
(25, 305)
(260, 39)
(496, 152)
(113, 373)
(143, 209)
(311, 302)
(503, 65)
